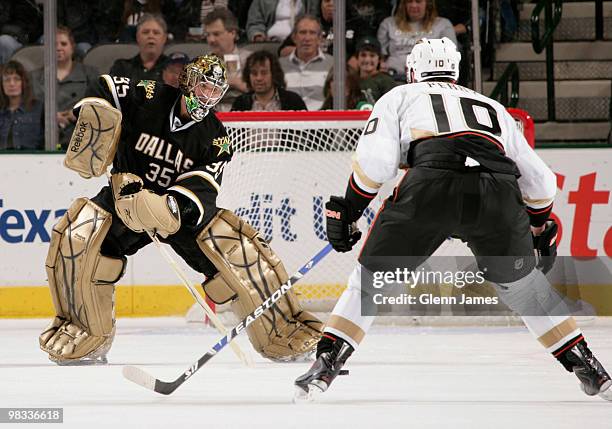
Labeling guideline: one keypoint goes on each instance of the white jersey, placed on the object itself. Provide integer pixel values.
(413, 111)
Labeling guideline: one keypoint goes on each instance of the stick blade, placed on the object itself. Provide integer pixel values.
(138, 376)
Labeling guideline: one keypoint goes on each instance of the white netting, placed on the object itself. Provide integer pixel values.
(281, 175)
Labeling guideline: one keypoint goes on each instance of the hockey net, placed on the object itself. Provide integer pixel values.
(285, 167)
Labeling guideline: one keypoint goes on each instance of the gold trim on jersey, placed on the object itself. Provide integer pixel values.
(538, 203)
(193, 197)
(201, 174)
(362, 176)
(417, 134)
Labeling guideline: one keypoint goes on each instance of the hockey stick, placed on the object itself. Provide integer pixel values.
(141, 377)
(209, 312)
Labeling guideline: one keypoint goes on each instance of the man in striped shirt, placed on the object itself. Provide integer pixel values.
(306, 68)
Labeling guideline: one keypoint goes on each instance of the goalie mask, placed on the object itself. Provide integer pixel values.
(431, 59)
(203, 82)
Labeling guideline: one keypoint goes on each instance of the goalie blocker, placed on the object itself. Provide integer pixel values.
(95, 138)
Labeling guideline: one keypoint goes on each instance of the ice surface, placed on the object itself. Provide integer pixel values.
(400, 377)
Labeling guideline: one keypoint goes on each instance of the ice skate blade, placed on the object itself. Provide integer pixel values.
(606, 391)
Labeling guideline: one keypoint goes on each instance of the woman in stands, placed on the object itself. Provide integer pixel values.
(73, 78)
(413, 20)
(21, 114)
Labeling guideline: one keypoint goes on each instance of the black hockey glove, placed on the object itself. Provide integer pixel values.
(545, 245)
(342, 232)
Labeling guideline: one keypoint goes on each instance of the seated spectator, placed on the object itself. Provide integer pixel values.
(307, 65)
(21, 115)
(352, 92)
(367, 15)
(266, 83)
(73, 78)
(91, 22)
(133, 10)
(151, 36)
(373, 83)
(327, 33)
(221, 28)
(20, 23)
(173, 68)
(272, 20)
(413, 20)
(181, 15)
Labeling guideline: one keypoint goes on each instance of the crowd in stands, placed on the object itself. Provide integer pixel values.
(278, 52)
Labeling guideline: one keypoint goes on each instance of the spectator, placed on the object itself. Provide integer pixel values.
(367, 15)
(413, 20)
(327, 33)
(221, 28)
(352, 93)
(91, 22)
(20, 113)
(173, 68)
(307, 65)
(20, 23)
(151, 36)
(181, 15)
(272, 20)
(373, 83)
(133, 10)
(266, 83)
(73, 79)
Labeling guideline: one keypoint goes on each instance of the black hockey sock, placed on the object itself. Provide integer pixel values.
(561, 352)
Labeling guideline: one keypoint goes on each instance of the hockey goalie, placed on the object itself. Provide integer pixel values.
(168, 152)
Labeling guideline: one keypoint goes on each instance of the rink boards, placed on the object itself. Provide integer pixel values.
(37, 189)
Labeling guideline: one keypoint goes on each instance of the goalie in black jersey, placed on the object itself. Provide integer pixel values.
(168, 151)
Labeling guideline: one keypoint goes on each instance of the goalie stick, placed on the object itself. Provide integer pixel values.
(141, 377)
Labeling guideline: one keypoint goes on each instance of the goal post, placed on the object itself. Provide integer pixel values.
(285, 167)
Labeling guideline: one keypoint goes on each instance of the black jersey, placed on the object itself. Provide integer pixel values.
(169, 153)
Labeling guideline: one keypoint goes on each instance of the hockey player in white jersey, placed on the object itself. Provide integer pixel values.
(471, 174)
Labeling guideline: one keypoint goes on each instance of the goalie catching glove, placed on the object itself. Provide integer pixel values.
(342, 231)
(142, 210)
(545, 246)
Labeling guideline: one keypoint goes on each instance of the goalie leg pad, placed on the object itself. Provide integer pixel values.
(81, 281)
(250, 272)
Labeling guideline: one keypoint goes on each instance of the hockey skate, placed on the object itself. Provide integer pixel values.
(322, 372)
(594, 380)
